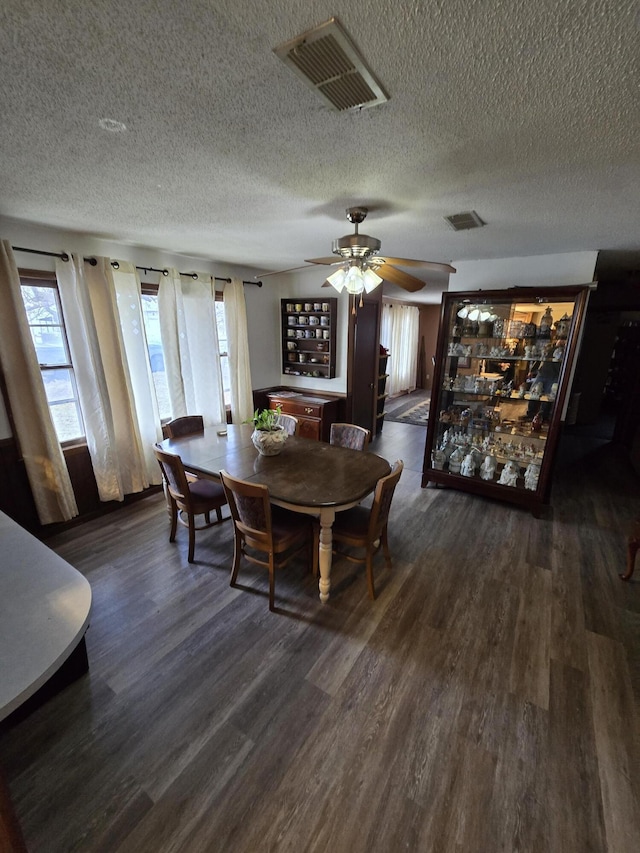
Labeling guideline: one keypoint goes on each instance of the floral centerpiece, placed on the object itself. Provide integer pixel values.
(268, 436)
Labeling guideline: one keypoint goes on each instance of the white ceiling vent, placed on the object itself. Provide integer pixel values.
(328, 61)
(464, 221)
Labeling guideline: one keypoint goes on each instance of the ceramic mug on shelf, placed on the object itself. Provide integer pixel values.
(308, 333)
(292, 320)
(326, 333)
(291, 344)
(291, 333)
(299, 333)
(298, 306)
(289, 306)
(317, 306)
(303, 321)
(308, 306)
(302, 356)
(324, 321)
(314, 321)
(319, 333)
(325, 306)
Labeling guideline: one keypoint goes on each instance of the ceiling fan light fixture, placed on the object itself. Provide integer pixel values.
(371, 280)
(354, 281)
(462, 313)
(338, 279)
(473, 315)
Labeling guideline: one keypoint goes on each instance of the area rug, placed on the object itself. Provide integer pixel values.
(411, 413)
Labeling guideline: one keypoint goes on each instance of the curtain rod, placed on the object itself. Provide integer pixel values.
(65, 257)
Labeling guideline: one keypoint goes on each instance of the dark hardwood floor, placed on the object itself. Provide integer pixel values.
(486, 701)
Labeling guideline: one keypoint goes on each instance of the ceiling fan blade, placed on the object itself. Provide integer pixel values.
(402, 279)
(408, 262)
(281, 272)
(329, 262)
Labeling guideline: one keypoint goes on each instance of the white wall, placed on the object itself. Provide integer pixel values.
(535, 271)
(306, 286)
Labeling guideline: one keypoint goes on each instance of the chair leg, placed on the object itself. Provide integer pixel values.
(219, 513)
(385, 548)
(372, 591)
(237, 556)
(192, 538)
(207, 517)
(272, 583)
(172, 508)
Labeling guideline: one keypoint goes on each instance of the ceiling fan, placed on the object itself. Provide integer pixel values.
(360, 266)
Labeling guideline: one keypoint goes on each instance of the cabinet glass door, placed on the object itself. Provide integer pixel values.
(502, 376)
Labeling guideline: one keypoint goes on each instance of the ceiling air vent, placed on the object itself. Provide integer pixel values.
(328, 61)
(464, 221)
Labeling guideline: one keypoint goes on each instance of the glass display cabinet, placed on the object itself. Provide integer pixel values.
(503, 370)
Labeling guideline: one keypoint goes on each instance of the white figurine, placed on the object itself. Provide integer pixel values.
(468, 468)
(531, 476)
(437, 458)
(455, 460)
(488, 468)
(509, 474)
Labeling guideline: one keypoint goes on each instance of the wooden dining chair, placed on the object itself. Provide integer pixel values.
(366, 528)
(187, 425)
(259, 526)
(349, 435)
(190, 499)
(289, 423)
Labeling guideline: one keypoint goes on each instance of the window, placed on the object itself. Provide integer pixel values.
(46, 323)
(224, 352)
(154, 345)
(156, 356)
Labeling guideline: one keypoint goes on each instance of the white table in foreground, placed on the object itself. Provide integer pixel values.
(44, 613)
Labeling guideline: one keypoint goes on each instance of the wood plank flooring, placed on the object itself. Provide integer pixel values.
(487, 701)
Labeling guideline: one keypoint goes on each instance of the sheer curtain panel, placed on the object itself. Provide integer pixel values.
(127, 293)
(399, 334)
(189, 333)
(37, 440)
(102, 376)
(235, 314)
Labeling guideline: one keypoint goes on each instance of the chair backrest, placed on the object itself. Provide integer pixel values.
(349, 435)
(250, 510)
(289, 424)
(188, 425)
(381, 505)
(173, 473)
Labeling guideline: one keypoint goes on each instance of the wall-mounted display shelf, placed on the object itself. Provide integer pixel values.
(309, 337)
(503, 368)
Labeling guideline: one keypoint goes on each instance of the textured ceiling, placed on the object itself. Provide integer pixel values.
(526, 112)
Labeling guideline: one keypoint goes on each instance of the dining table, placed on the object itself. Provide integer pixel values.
(307, 476)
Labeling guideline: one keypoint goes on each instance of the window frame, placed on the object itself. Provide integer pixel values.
(45, 278)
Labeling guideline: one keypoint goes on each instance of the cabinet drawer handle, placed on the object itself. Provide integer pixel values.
(308, 411)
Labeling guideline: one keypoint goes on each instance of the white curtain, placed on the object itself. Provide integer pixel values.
(135, 357)
(399, 334)
(235, 315)
(102, 376)
(38, 443)
(189, 335)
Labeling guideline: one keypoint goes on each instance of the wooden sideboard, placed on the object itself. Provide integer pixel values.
(315, 414)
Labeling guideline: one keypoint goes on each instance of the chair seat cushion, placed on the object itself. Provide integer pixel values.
(352, 522)
(206, 491)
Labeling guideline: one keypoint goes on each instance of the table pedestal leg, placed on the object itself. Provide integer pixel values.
(326, 521)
